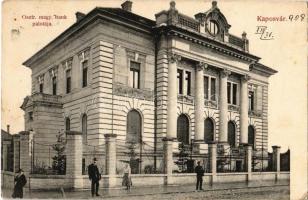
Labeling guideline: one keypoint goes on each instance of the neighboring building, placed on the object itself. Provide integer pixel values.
(7, 150)
(183, 77)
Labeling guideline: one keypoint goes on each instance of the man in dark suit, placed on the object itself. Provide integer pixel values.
(200, 173)
(94, 176)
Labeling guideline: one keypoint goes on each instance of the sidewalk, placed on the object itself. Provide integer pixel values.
(140, 191)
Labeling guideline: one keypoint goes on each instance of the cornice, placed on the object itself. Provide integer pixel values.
(215, 45)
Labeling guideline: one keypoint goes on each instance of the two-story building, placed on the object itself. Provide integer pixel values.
(154, 84)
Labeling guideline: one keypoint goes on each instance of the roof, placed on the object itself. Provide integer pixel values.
(109, 13)
(5, 135)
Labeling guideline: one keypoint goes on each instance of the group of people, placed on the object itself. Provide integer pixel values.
(95, 176)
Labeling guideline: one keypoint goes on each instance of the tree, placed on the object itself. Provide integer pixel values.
(59, 160)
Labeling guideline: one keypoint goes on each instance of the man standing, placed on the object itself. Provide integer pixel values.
(200, 173)
(94, 176)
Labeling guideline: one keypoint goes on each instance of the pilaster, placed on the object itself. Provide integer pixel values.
(244, 110)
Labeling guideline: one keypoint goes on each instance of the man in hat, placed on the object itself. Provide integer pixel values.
(200, 173)
(94, 176)
(20, 181)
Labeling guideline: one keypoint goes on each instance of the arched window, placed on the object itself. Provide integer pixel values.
(84, 128)
(231, 133)
(133, 125)
(183, 129)
(208, 130)
(251, 136)
(67, 124)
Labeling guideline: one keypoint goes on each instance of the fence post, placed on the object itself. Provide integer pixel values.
(25, 151)
(213, 160)
(168, 159)
(16, 141)
(248, 161)
(111, 161)
(74, 158)
(276, 161)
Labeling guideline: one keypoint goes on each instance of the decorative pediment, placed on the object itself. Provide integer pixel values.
(214, 22)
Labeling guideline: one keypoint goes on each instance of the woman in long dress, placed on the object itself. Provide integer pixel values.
(20, 181)
(126, 177)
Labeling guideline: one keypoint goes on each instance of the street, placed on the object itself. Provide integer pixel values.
(263, 193)
(277, 192)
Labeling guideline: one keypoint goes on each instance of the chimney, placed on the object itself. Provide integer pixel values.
(127, 6)
(8, 128)
(79, 16)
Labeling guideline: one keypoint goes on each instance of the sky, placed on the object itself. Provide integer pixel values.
(285, 53)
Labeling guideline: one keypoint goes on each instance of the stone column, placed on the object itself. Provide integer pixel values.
(223, 107)
(244, 110)
(172, 95)
(199, 103)
(168, 159)
(25, 152)
(213, 160)
(74, 158)
(276, 160)
(16, 141)
(111, 161)
(248, 161)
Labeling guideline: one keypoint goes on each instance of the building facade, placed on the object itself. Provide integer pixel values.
(175, 84)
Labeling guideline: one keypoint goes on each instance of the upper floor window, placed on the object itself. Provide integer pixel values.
(30, 116)
(85, 73)
(184, 82)
(41, 83)
(134, 75)
(188, 82)
(54, 85)
(180, 81)
(67, 124)
(210, 88)
(212, 27)
(68, 81)
(41, 87)
(251, 100)
(232, 93)
(84, 127)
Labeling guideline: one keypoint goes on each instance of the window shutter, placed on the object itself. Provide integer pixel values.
(258, 97)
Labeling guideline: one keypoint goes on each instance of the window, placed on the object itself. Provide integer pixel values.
(251, 100)
(212, 27)
(251, 136)
(54, 85)
(41, 87)
(134, 75)
(210, 88)
(133, 126)
(188, 82)
(84, 73)
(206, 87)
(180, 81)
(232, 93)
(183, 129)
(67, 124)
(68, 81)
(208, 130)
(84, 128)
(231, 133)
(30, 116)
